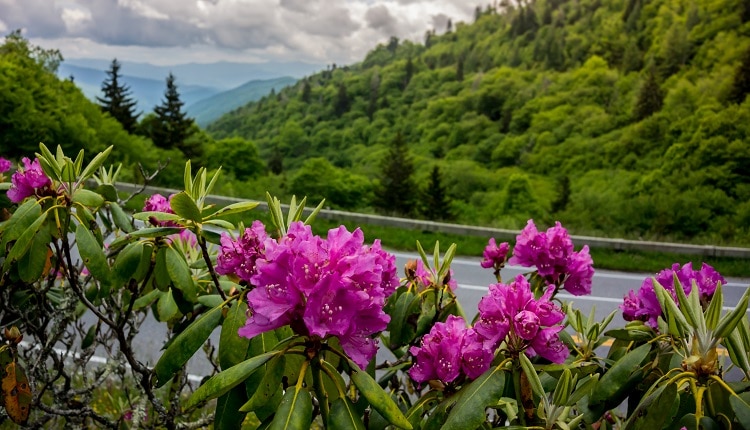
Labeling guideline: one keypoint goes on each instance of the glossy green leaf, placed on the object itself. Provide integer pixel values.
(233, 347)
(531, 375)
(31, 265)
(616, 377)
(144, 233)
(181, 276)
(162, 279)
(23, 243)
(88, 198)
(167, 307)
(158, 216)
(729, 321)
(583, 390)
(737, 351)
(224, 381)
(92, 253)
(396, 325)
(228, 414)
(343, 416)
(184, 346)
(563, 388)
(713, 312)
(741, 410)
(469, 411)
(88, 340)
(212, 301)
(127, 262)
(678, 324)
(295, 410)
(120, 218)
(422, 406)
(184, 206)
(94, 165)
(220, 223)
(108, 191)
(378, 399)
(655, 411)
(146, 299)
(268, 386)
(21, 219)
(234, 208)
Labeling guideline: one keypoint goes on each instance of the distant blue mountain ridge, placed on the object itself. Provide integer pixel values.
(208, 90)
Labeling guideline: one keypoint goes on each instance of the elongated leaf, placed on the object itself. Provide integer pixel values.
(181, 276)
(692, 314)
(713, 312)
(16, 393)
(23, 244)
(730, 320)
(531, 375)
(268, 386)
(146, 299)
(343, 416)
(233, 347)
(143, 233)
(741, 410)
(108, 191)
(616, 377)
(678, 324)
(184, 346)
(88, 198)
(295, 410)
(469, 411)
(166, 307)
(378, 399)
(224, 381)
(158, 216)
(92, 253)
(220, 223)
(234, 208)
(396, 325)
(32, 265)
(422, 406)
(22, 218)
(120, 218)
(184, 206)
(583, 390)
(127, 263)
(95, 164)
(655, 411)
(563, 388)
(228, 414)
(737, 351)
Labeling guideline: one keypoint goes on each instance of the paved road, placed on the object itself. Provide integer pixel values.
(608, 290)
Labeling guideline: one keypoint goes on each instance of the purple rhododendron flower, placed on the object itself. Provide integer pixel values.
(644, 305)
(320, 287)
(5, 165)
(449, 350)
(510, 313)
(552, 254)
(27, 181)
(159, 203)
(239, 256)
(494, 254)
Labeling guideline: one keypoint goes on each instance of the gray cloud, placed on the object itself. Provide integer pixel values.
(36, 16)
(379, 18)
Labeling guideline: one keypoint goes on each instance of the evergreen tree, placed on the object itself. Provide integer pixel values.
(117, 100)
(397, 191)
(172, 127)
(306, 91)
(409, 72)
(741, 84)
(435, 202)
(460, 69)
(650, 97)
(342, 101)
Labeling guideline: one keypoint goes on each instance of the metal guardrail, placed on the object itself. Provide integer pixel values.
(468, 230)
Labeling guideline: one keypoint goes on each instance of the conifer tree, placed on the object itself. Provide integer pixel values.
(342, 101)
(117, 100)
(306, 90)
(435, 201)
(396, 193)
(741, 84)
(172, 127)
(650, 97)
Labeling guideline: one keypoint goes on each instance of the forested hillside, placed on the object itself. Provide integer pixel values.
(617, 117)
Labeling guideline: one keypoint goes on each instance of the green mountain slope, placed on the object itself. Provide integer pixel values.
(622, 118)
(210, 108)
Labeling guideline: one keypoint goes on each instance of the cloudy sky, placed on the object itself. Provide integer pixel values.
(167, 32)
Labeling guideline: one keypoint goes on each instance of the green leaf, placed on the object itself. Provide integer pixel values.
(95, 164)
(88, 340)
(421, 406)
(144, 233)
(161, 275)
(23, 243)
(616, 377)
(187, 178)
(92, 253)
(233, 347)
(120, 218)
(295, 410)
(563, 389)
(713, 312)
(181, 276)
(184, 346)
(583, 390)
(228, 414)
(469, 411)
(88, 198)
(730, 320)
(224, 381)
(220, 223)
(158, 216)
(655, 411)
(31, 265)
(396, 326)
(741, 411)
(127, 262)
(678, 324)
(268, 386)
(167, 307)
(183, 205)
(737, 351)
(234, 208)
(212, 301)
(531, 375)
(378, 399)
(146, 299)
(343, 416)
(108, 191)
(21, 219)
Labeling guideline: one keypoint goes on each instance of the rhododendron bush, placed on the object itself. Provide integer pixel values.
(324, 330)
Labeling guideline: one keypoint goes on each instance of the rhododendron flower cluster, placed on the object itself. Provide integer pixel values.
(323, 287)
(27, 181)
(425, 278)
(644, 305)
(495, 255)
(448, 351)
(159, 203)
(5, 165)
(239, 256)
(552, 254)
(510, 314)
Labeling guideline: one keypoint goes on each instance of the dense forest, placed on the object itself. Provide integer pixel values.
(617, 117)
